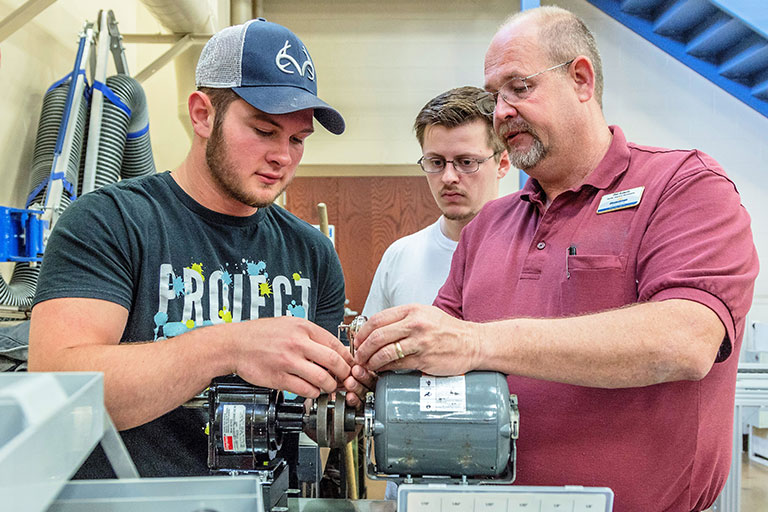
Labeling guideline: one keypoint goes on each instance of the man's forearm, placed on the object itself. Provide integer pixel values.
(638, 345)
(142, 381)
(145, 380)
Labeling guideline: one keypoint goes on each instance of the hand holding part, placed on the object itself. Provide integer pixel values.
(418, 337)
(289, 353)
(361, 381)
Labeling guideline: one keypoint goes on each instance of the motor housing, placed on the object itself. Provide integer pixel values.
(456, 427)
(247, 424)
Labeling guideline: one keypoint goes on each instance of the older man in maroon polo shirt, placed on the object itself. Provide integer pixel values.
(612, 289)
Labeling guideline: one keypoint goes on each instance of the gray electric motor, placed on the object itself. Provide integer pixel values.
(451, 427)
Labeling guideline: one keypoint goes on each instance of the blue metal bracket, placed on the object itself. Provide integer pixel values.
(21, 234)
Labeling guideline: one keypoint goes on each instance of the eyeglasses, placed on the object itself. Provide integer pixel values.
(513, 91)
(464, 164)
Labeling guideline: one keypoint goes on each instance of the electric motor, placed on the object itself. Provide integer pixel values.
(246, 425)
(459, 427)
(422, 426)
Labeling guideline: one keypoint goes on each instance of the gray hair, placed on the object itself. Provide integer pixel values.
(565, 36)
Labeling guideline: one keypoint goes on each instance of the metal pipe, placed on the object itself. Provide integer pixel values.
(182, 16)
(174, 51)
(22, 16)
(97, 101)
(322, 212)
(67, 134)
(158, 38)
(351, 469)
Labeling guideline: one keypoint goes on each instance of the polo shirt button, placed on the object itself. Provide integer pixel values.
(541, 245)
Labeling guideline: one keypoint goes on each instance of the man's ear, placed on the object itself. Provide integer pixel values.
(201, 114)
(583, 74)
(504, 165)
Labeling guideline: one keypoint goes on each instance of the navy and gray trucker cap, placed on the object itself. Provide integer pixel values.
(267, 66)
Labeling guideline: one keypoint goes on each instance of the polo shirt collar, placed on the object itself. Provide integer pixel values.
(614, 163)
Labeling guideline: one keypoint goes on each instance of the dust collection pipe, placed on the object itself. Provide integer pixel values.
(124, 146)
(124, 152)
(20, 290)
(181, 16)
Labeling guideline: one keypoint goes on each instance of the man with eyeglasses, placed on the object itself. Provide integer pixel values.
(612, 289)
(464, 160)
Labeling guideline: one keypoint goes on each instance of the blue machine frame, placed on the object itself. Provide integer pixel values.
(21, 234)
(23, 231)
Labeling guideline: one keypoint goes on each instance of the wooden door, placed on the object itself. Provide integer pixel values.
(368, 214)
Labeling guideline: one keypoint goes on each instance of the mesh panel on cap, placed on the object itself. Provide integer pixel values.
(220, 64)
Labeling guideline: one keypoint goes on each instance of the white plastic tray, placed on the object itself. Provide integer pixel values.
(49, 423)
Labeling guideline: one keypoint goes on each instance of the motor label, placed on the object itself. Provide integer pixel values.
(233, 428)
(446, 394)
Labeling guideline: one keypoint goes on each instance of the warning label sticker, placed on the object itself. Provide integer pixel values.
(443, 393)
(233, 428)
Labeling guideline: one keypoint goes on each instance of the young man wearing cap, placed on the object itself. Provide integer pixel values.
(133, 271)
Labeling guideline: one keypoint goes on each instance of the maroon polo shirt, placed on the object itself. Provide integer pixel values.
(661, 447)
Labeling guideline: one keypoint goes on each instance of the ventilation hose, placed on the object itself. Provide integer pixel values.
(54, 105)
(20, 290)
(124, 152)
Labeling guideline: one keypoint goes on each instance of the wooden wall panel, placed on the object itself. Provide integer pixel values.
(369, 214)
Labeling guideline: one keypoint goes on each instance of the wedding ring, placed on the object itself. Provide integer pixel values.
(399, 350)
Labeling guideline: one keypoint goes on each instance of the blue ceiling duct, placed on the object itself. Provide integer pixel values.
(726, 41)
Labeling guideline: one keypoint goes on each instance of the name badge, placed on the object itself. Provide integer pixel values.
(620, 200)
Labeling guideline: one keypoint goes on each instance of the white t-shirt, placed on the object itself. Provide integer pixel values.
(412, 269)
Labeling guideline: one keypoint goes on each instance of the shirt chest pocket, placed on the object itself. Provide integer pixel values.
(595, 282)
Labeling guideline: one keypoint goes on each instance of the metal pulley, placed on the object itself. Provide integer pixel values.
(331, 422)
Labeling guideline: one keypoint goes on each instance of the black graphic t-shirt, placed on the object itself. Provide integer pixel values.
(176, 266)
